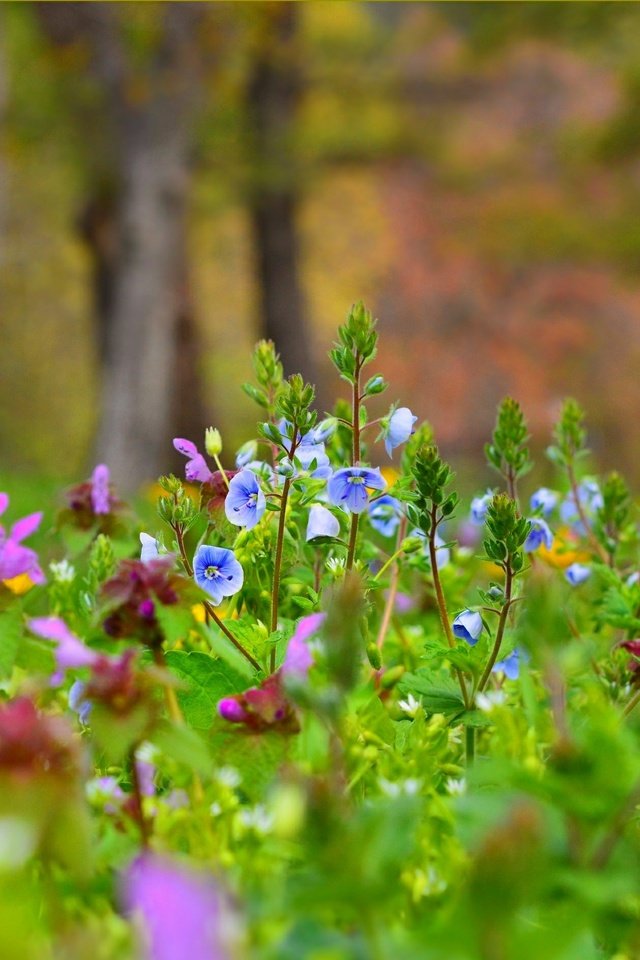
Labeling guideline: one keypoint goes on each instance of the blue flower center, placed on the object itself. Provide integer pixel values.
(356, 479)
(211, 573)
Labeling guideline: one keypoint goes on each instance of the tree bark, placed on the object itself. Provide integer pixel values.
(146, 333)
(273, 96)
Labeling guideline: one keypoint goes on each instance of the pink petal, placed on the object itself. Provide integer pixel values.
(4, 502)
(197, 469)
(15, 559)
(186, 447)
(25, 527)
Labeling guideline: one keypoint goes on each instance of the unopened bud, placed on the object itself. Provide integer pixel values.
(212, 441)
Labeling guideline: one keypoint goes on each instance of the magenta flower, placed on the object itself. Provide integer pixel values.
(298, 658)
(14, 558)
(179, 911)
(196, 468)
(70, 653)
(100, 499)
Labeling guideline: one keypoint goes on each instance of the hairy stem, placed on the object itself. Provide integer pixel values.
(393, 585)
(442, 603)
(277, 566)
(502, 622)
(584, 520)
(355, 458)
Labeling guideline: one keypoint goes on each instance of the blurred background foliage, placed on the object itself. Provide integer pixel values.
(177, 180)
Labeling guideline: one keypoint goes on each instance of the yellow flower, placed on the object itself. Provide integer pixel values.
(20, 584)
(563, 552)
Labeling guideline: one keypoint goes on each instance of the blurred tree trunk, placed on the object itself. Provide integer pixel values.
(146, 331)
(4, 185)
(273, 96)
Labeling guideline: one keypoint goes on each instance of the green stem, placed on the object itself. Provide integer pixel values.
(277, 566)
(442, 603)
(635, 700)
(393, 586)
(221, 469)
(470, 745)
(355, 457)
(584, 520)
(502, 622)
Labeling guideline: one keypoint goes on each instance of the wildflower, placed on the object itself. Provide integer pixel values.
(309, 448)
(577, 573)
(443, 553)
(245, 503)
(105, 792)
(196, 468)
(456, 788)
(70, 652)
(348, 487)
(479, 506)
(410, 706)
(298, 657)
(544, 500)
(149, 547)
(217, 572)
(178, 910)
(510, 666)
(384, 514)
(34, 743)
(321, 523)
(63, 571)
(539, 535)
(468, 626)
(490, 700)
(78, 702)
(589, 498)
(247, 452)
(132, 594)
(100, 498)
(256, 818)
(397, 428)
(15, 559)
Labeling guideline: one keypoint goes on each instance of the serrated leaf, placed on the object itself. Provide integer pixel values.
(208, 679)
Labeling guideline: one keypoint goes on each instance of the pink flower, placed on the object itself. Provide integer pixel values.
(298, 658)
(196, 468)
(70, 653)
(14, 558)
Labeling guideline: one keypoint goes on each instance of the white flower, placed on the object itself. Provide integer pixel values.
(228, 777)
(410, 706)
(489, 701)
(256, 818)
(407, 788)
(63, 571)
(456, 788)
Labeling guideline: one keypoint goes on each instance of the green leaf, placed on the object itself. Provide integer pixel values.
(208, 679)
(11, 634)
(439, 692)
(183, 745)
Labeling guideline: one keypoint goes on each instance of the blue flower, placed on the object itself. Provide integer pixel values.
(577, 573)
(148, 548)
(544, 500)
(589, 498)
(78, 703)
(245, 502)
(510, 666)
(443, 554)
(479, 507)
(468, 626)
(384, 514)
(217, 572)
(538, 535)
(322, 523)
(308, 449)
(348, 487)
(397, 428)
(247, 452)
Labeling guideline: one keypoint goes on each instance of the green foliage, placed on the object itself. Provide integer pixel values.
(569, 435)
(431, 476)
(357, 345)
(507, 453)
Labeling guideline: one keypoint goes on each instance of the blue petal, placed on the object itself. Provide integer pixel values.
(322, 523)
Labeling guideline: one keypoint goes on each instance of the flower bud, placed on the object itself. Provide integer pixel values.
(212, 441)
(412, 544)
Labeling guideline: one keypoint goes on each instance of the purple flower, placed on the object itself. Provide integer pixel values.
(100, 499)
(479, 508)
(14, 558)
(348, 487)
(397, 428)
(217, 572)
(196, 468)
(149, 548)
(245, 502)
(78, 702)
(298, 657)
(544, 500)
(70, 653)
(468, 626)
(229, 709)
(179, 910)
(384, 514)
(577, 573)
(538, 535)
(321, 523)
(510, 666)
